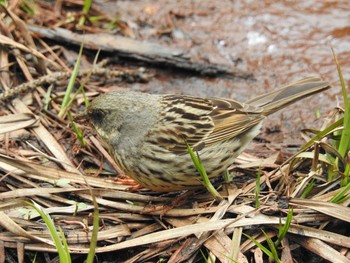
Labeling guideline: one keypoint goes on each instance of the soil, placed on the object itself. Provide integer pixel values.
(277, 41)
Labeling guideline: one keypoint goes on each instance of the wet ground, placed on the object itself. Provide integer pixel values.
(277, 41)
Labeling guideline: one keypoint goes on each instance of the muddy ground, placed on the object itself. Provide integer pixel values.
(277, 41)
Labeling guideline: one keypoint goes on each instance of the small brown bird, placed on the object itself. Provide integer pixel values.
(146, 133)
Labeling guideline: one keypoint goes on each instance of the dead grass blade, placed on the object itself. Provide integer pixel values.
(7, 223)
(326, 236)
(327, 208)
(14, 122)
(322, 249)
(13, 44)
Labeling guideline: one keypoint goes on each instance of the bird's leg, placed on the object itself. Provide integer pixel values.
(128, 181)
(177, 201)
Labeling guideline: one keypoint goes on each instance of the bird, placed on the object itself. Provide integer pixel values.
(147, 134)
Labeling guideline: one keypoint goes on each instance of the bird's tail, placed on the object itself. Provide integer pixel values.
(278, 99)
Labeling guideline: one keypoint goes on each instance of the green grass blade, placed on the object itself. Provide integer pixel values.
(64, 242)
(272, 247)
(344, 144)
(201, 170)
(322, 134)
(59, 240)
(342, 195)
(78, 132)
(71, 83)
(86, 9)
(206, 260)
(282, 231)
(308, 188)
(262, 247)
(257, 189)
(342, 82)
(47, 98)
(94, 234)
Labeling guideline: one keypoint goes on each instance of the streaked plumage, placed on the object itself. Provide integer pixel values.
(146, 133)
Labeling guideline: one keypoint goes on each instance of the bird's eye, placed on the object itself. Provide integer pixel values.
(97, 115)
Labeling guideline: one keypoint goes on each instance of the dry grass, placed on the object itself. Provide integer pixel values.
(42, 160)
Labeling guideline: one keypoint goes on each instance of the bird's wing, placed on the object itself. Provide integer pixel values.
(231, 119)
(200, 122)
